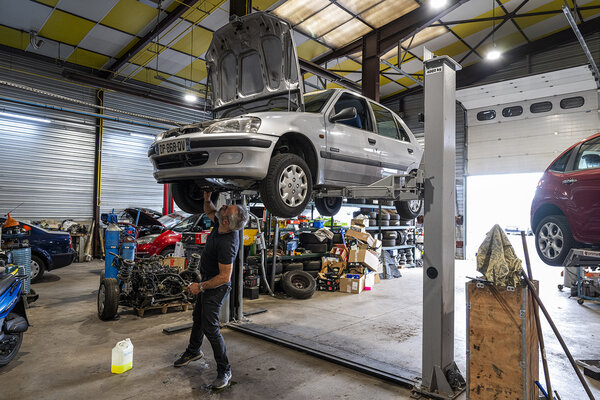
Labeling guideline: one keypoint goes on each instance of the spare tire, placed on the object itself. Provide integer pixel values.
(317, 248)
(372, 222)
(388, 242)
(278, 268)
(409, 209)
(384, 217)
(390, 235)
(312, 265)
(384, 223)
(298, 284)
(372, 214)
(401, 239)
(394, 217)
(295, 266)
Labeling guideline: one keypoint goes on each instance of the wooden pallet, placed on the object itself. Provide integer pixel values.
(163, 307)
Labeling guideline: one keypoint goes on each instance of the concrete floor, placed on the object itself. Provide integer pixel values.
(67, 352)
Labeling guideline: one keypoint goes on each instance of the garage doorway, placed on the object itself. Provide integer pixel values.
(503, 199)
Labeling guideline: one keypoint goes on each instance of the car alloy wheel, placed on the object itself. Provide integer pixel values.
(293, 185)
(35, 269)
(550, 240)
(414, 206)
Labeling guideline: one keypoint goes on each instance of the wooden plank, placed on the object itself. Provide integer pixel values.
(502, 352)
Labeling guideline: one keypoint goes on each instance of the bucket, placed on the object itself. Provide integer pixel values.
(122, 357)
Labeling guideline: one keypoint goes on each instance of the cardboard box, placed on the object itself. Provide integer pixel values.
(175, 262)
(340, 251)
(361, 236)
(370, 280)
(360, 221)
(354, 286)
(367, 258)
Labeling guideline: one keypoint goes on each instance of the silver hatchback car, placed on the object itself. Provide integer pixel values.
(271, 137)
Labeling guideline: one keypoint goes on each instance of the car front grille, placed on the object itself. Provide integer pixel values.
(181, 160)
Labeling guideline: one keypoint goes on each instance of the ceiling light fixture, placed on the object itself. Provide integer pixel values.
(190, 98)
(19, 116)
(438, 3)
(493, 54)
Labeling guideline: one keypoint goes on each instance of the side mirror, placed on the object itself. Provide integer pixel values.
(345, 114)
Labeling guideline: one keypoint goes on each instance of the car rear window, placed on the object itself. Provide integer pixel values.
(589, 155)
(560, 165)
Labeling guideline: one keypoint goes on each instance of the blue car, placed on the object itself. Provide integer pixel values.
(49, 250)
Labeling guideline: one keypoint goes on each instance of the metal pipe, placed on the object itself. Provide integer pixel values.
(538, 325)
(558, 336)
(275, 245)
(78, 112)
(262, 255)
(581, 40)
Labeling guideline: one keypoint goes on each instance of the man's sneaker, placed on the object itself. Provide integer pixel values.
(222, 380)
(187, 357)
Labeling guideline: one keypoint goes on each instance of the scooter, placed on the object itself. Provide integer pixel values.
(13, 317)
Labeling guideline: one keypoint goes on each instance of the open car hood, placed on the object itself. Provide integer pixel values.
(253, 66)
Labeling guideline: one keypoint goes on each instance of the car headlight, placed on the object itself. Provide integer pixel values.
(235, 125)
(147, 239)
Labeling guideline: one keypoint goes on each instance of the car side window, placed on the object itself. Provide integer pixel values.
(361, 121)
(403, 135)
(386, 124)
(560, 165)
(588, 156)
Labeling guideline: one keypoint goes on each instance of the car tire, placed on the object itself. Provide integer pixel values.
(168, 251)
(553, 239)
(328, 206)
(188, 197)
(294, 266)
(298, 284)
(409, 209)
(317, 248)
(388, 242)
(296, 172)
(38, 267)
(312, 265)
(108, 299)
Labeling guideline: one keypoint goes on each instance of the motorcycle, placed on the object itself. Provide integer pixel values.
(13, 317)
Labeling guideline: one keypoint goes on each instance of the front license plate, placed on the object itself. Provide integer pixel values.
(173, 147)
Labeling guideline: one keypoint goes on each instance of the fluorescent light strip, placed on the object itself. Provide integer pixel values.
(19, 116)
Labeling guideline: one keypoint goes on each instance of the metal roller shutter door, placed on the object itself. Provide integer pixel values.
(47, 166)
(528, 143)
(127, 178)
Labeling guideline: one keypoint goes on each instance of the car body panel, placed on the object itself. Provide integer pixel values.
(54, 248)
(194, 223)
(574, 192)
(253, 66)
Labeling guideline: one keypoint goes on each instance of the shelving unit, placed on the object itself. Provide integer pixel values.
(388, 228)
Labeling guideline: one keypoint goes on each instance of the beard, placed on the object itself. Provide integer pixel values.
(221, 216)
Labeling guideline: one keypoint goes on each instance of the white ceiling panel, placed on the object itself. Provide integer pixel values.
(217, 18)
(171, 62)
(105, 41)
(174, 32)
(93, 10)
(547, 26)
(24, 14)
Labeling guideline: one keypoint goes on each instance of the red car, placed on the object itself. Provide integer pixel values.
(565, 212)
(164, 243)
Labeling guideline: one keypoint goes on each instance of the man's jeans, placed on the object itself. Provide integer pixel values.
(206, 323)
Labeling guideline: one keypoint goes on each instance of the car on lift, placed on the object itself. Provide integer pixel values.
(164, 243)
(565, 212)
(271, 138)
(49, 249)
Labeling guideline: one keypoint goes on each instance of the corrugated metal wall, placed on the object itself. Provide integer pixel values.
(126, 170)
(409, 108)
(47, 166)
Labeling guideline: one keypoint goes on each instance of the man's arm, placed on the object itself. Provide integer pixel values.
(209, 207)
(223, 277)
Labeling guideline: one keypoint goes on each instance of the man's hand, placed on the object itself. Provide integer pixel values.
(207, 196)
(194, 288)
(209, 207)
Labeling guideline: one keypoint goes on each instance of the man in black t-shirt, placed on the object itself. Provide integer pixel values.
(216, 264)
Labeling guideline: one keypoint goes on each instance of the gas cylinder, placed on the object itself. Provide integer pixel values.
(111, 245)
(127, 248)
(122, 357)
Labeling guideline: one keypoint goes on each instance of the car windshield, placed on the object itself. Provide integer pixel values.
(314, 101)
(186, 225)
(170, 220)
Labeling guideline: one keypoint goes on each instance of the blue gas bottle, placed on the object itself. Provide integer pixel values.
(111, 244)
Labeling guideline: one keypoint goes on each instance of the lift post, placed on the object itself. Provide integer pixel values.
(440, 373)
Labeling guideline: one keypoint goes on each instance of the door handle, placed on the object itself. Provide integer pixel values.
(372, 141)
(569, 181)
(410, 151)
